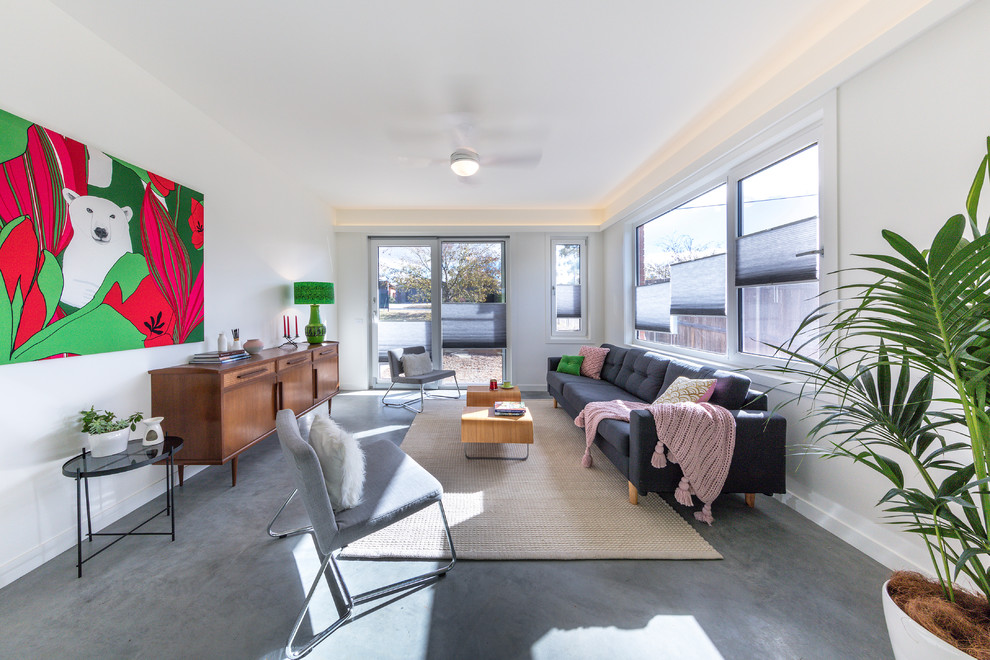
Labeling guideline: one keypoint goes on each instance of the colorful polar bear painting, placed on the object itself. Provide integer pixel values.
(96, 254)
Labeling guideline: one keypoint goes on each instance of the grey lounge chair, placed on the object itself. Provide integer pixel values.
(395, 487)
(395, 368)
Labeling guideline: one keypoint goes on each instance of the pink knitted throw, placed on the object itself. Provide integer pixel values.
(699, 436)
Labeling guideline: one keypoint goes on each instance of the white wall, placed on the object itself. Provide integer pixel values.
(911, 131)
(527, 262)
(262, 232)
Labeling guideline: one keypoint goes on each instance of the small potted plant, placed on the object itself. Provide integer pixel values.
(108, 434)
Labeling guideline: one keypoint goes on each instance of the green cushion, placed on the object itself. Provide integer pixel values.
(570, 364)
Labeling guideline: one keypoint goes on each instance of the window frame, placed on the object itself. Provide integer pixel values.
(583, 332)
(817, 125)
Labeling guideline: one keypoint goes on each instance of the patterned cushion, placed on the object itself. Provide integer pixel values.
(594, 360)
(570, 364)
(686, 390)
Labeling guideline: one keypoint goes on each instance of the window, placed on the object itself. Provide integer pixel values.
(777, 251)
(680, 279)
(754, 233)
(568, 288)
(447, 295)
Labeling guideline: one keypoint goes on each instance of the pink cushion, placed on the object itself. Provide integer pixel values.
(594, 360)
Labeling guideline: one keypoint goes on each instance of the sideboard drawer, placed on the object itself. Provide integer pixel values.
(294, 360)
(247, 374)
(324, 352)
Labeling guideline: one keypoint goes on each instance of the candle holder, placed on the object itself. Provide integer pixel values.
(290, 341)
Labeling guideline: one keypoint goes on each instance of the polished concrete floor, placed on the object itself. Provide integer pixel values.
(785, 589)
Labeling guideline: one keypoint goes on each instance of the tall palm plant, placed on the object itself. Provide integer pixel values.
(926, 311)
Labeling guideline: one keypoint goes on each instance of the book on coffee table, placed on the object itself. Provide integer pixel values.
(510, 408)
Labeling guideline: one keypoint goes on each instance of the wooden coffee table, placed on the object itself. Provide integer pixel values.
(483, 426)
(479, 396)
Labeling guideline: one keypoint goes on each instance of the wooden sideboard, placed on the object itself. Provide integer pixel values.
(220, 410)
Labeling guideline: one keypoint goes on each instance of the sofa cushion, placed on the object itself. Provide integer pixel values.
(730, 388)
(570, 364)
(580, 392)
(641, 373)
(615, 433)
(594, 360)
(685, 390)
(613, 362)
(557, 379)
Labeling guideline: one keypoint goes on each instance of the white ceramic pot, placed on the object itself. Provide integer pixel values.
(105, 444)
(153, 433)
(910, 640)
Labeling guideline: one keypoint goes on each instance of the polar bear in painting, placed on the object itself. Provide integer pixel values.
(100, 237)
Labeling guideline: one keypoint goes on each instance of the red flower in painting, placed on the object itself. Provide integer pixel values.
(162, 185)
(196, 224)
(147, 310)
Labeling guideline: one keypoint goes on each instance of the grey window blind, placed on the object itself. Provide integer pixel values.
(652, 307)
(697, 287)
(400, 334)
(473, 325)
(788, 253)
(568, 299)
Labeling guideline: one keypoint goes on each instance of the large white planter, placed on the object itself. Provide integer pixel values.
(105, 444)
(910, 640)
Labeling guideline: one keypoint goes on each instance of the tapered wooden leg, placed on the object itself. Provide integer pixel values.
(233, 472)
(182, 474)
(633, 494)
(555, 403)
(751, 499)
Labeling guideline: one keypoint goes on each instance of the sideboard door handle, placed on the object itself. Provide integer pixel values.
(251, 373)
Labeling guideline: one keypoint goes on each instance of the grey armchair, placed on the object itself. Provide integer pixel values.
(395, 368)
(395, 487)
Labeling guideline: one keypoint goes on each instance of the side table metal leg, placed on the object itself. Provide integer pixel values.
(170, 494)
(89, 517)
(78, 529)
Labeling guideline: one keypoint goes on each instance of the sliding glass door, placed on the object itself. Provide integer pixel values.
(445, 294)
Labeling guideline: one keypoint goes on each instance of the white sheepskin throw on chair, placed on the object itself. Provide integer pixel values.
(342, 460)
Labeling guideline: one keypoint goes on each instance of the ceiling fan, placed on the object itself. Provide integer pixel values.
(467, 159)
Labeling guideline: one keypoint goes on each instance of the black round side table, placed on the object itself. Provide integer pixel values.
(86, 466)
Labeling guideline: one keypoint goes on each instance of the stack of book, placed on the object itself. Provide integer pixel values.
(219, 357)
(510, 408)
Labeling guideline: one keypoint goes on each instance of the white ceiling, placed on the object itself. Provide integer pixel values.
(337, 92)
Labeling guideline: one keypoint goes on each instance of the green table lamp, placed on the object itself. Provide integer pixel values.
(314, 294)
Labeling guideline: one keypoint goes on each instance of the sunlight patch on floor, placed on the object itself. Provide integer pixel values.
(670, 637)
(380, 430)
(463, 506)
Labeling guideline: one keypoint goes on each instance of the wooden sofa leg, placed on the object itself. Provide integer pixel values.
(751, 500)
(633, 494)
(555, 403)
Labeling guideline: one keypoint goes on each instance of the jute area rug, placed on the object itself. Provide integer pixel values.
(546, 507)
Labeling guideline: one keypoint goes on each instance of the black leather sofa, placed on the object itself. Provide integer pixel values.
(633, 374)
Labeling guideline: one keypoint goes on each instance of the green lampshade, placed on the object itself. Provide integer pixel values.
(313, 293)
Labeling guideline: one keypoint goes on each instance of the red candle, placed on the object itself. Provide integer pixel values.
(297, 326)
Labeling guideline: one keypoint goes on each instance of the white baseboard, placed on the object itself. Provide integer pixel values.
(883, 543)
(66, 539)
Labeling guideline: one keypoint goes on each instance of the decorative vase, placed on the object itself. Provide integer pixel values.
(912, 641)
(106, 444)
(221, 343)
(253, 346)
(153, 433)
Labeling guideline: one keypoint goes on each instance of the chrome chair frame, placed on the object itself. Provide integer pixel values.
(330, 569)
(395, 368)
(326, 538)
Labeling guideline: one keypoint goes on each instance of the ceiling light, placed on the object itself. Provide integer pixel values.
(464, 162)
